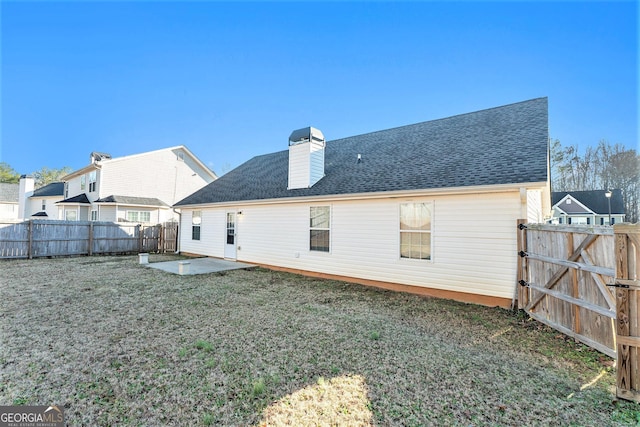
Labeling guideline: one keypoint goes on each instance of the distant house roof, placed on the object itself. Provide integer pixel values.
(40, 214)
(9, 193)
(594, 200)
(52, 189)
(98, 159)
(80, 198)
(503, 145)
(136, 201)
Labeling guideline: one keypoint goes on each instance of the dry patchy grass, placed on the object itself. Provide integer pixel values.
(118, 343)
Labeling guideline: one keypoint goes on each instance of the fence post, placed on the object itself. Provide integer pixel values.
(30, 238)
(522, 293)
(139, 228)
(627, 240)
(90, 250)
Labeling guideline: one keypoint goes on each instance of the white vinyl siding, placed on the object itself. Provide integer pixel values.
(473, 238)
(169, 179)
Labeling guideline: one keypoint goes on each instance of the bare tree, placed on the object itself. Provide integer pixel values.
(603, 167)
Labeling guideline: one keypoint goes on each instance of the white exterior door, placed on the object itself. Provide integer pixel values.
(230, 247)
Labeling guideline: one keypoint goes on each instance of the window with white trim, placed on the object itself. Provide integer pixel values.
(83, 182)
(92, 181)
(94, 215)
(319, 228)
(138, 216)
(415, 230)
(196, 220)
(44, 205)
(70, 215)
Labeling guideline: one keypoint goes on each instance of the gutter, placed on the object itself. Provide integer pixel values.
(484, 189)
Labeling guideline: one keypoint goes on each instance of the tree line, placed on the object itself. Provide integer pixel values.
(42, 176)
(603, 167)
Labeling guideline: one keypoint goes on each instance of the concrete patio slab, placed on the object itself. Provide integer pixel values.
(199, 266)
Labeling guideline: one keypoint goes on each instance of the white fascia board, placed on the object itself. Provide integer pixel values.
(88, 168)
(401, 194)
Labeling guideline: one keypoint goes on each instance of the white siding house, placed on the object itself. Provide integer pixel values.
(9, 201)
(138, 188)
(428, 208)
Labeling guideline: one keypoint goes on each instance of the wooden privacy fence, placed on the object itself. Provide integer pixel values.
(627, 289)
(563, 274)
(584, 282)
(46, 238)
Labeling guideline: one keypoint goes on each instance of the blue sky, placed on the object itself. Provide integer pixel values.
(232, 80)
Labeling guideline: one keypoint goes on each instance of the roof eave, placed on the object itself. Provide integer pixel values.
(479, 189)
(84, 170)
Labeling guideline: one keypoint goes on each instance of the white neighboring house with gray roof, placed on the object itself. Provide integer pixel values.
(9, 200)
(428, 208)
(138, 188)
(40, 203)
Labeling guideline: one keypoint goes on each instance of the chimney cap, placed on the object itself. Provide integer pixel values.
(305, 135)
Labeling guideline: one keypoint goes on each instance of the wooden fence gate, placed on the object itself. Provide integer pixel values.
(563, 275)
(627, 288)
(169, 240)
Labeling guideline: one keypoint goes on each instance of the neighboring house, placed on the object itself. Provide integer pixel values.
(429, 208)
(587, 207)
(9, 200)
(41, 202)
(138, 188)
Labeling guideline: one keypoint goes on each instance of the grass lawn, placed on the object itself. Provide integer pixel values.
(117, 343)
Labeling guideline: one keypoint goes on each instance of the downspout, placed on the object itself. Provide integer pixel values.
(179, 229)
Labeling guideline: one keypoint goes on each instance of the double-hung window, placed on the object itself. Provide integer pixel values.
(196, 220)
(138, 216)
(415, 230)
(92, 181)
(319, 228)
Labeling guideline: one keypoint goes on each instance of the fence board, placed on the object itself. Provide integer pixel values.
(48, 238)
(627, 238)
(565, 278)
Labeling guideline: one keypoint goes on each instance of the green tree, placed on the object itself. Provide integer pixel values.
(45, 176)
(8, 174)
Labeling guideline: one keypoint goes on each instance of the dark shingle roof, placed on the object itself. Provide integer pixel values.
(42, 213)
(9, 193)
(52, 189)
(81, 198)
(593, 199)
(128, 200)
(502, 145)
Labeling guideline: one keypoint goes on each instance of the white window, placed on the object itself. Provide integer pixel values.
(94, 215)
(138, 216)
(196, 221)
(92, 181)
(83, 182)
(70, 215)
(66, 190)
(415, 230)
(44, 205)
(319, 228)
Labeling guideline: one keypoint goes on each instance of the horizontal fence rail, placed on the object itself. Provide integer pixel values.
(564, 277)
(49, 238)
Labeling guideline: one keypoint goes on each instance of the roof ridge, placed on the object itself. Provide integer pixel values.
(439, 119)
